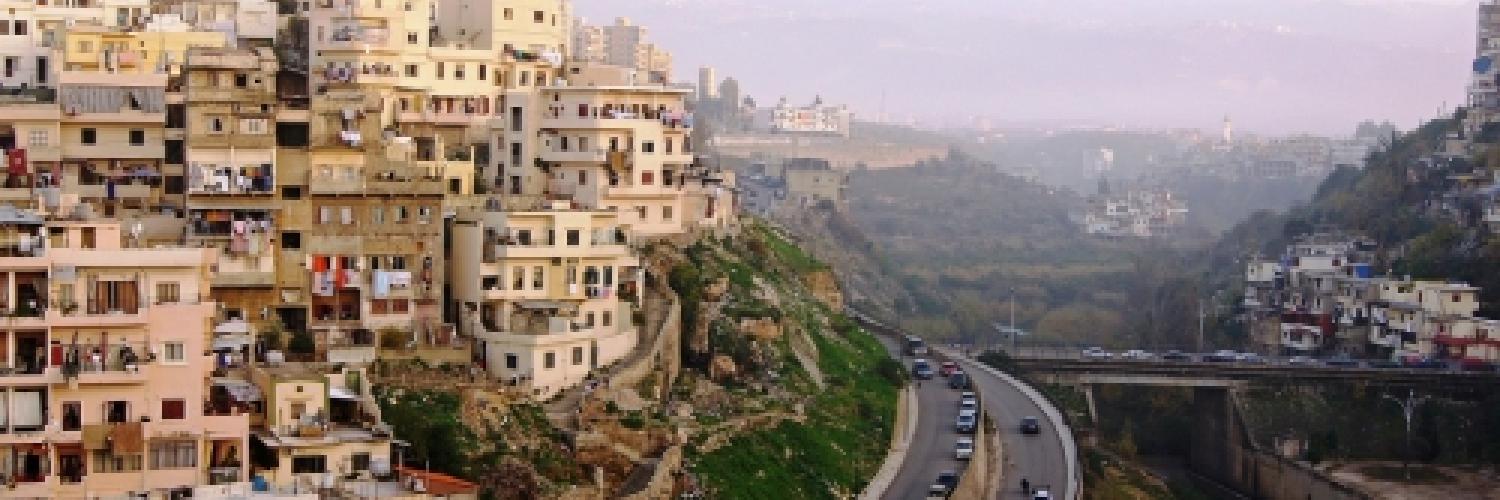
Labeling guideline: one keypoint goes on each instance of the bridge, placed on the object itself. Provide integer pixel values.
(1076, 371)
(1222, 449)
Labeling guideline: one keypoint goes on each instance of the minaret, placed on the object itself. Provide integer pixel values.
(1228, 130)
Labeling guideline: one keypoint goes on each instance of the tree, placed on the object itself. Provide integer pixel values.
(302, 342)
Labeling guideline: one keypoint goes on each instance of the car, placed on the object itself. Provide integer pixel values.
(1249, 358)
(1342, 361)
(947, 368)
(968, 404)
(1097, 353)
(959, 380)
(1176, 355)
(1031, 425)
(937, 491)
(964, 448)
(921, 369)
(915, 346)
(968, 395)
(1222, 356)
(1301, 360)
(948, 478)
(1138, 355)
(1041, 494)
(1420, 363)
(966, 422)
(1386, 364)
(1476, 365)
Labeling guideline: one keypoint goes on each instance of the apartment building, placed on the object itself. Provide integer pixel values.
(622, 44)
(556, 291)
(107, 365)
(232, 205)
(531, 26)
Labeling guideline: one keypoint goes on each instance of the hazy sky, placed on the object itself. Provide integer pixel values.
(1272, 65)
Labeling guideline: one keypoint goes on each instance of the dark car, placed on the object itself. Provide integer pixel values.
(1175, 355)
(1475, 365)
(1342, 361)
(1030, 425)
(921, 369)
(948, 478)
(1386, 363)
(959, 380)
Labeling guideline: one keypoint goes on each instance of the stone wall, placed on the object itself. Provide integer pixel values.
(1223, 450)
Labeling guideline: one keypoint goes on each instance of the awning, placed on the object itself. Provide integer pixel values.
(240, 390)
(232, 327)
(336, 392)
(230, 341)
(540, 304)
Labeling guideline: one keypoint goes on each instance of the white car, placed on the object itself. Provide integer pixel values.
(1041, 495)
(1138, 355)
(1097, 353)
(964, 449)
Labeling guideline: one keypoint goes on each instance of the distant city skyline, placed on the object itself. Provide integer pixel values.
(1275, 66)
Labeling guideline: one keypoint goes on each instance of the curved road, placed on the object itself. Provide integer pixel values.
(1039, 458)
(931, 449)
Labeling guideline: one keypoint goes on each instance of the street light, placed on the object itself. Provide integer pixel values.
(1408, 406)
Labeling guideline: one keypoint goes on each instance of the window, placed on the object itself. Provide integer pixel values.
(173, 409)
(511, 361)
(10, 65)
(88, 136)
(174, 352)
(38, 138)
(20, 28)
(648, 178)
(549, 360)
(105, 462)
(360, 461)
(640, 212)
(291, 240)
(174, 454)
(539, 16)
(484, 72)
(137, 137)
(398, 214)
(4, 28)
(253, 125)
(440, 70)
(509, 15)
(606, 318)
(577, 356)
(398, 262)
(72, 416)
(458, 71)
(666, 213)
(216, 125)
(116, 412)
(377, 215)
(573, 236)
(412, 70)
(309, 464)
(669, 146)
(411, 38)
(538, 274)
(85, 46)
(168, 292)
(583, 177)
(648, 147)
(291, 192)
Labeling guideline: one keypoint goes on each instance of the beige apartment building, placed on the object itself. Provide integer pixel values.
(556, 289)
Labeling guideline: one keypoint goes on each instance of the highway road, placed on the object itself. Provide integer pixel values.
(1039, 458)
(931, 450)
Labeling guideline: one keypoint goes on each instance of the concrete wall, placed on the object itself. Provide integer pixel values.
(632, 371)
(661, 482)
(1223, 450)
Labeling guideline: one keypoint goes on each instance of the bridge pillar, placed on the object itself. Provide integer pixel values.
(1214, 447)
(1088, 396)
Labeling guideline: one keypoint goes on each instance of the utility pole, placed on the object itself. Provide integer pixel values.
(1200, 324)
(1013, 332)
(1408, 407)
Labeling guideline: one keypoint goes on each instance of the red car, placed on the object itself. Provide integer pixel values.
(948, 368)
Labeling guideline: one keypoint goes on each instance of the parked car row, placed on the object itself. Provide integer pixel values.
(1250, 358)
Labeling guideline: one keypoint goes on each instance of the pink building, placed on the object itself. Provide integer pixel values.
(105, 365)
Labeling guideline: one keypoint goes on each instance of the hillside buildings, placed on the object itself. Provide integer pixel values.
(456, 181)
(1323, 296)
(1136, 213)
